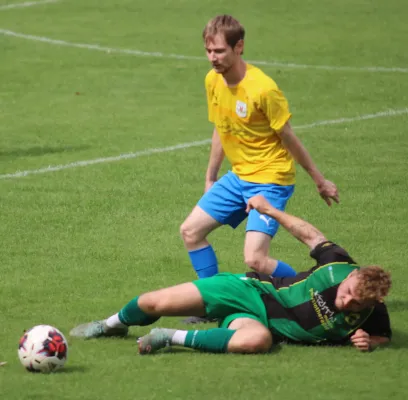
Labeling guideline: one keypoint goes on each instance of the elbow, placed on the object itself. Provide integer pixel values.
(314, 240)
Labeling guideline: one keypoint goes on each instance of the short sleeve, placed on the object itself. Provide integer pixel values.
(329, 252)
(276, 108)
(378, 323)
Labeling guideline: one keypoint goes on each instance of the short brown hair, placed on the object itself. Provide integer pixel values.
(374, 284)
(232, 30)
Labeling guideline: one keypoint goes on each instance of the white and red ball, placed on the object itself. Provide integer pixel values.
(43, 348)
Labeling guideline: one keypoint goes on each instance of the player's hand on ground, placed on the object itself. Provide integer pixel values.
(259, 203)
(328, 192)
(361, 340)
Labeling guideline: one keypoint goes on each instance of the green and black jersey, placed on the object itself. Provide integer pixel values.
(302, 308)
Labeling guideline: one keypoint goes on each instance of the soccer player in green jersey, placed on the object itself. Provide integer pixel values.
(327, 304)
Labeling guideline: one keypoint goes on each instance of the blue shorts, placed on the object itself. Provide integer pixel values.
(227, 199)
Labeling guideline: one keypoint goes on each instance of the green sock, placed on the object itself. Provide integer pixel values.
(131, 315)
(212, 340)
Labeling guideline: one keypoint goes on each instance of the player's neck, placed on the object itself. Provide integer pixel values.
(235, 74)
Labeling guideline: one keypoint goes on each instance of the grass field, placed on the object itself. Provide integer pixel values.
(78, 242)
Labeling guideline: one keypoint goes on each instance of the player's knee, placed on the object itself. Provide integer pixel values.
(261, 342)
(152, 303)
(189, 235)
(255, 262)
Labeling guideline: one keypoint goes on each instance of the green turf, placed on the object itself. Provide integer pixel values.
(79, 243)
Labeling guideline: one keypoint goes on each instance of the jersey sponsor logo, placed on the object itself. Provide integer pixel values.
(266, 219)
(241, 109)
(325, 315)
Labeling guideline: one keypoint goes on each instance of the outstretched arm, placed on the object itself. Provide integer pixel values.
(327, 190)
(300, 229)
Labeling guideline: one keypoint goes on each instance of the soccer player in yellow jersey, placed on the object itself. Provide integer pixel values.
(251, 128)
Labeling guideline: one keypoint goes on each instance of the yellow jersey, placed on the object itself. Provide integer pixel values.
(249, 118)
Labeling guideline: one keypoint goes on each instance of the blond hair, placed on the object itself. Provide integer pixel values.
(226, 25)
(374, 283)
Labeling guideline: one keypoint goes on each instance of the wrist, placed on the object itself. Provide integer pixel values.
(317, 177)
(314, 173)
(272, 212)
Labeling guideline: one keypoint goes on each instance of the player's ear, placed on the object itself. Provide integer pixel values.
(239, 47)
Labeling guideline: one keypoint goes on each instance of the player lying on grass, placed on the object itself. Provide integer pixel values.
(326, 304)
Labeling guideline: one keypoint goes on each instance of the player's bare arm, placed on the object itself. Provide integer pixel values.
(215, 161)
(362, 341)
(327, 190)
(300, 229)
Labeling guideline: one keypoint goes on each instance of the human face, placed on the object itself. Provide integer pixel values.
(221, 55)
(347, 299)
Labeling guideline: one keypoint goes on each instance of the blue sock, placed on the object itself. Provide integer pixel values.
(204, 262)
(283, 270)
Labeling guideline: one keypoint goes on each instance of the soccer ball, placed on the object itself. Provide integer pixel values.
(43, 348)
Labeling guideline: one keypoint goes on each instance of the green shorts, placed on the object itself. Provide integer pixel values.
(228, 296)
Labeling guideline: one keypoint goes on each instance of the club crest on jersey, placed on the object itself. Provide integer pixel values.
(241, 109)
(352, 318)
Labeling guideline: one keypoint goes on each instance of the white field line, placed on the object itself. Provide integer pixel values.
(381, 114)
(182, 146)
(26, 4)
(140, 53)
